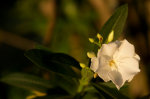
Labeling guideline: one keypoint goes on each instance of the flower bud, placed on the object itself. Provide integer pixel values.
(90, 54)
(99, 37)
(91, 40)
(82, 65)
(110, 36)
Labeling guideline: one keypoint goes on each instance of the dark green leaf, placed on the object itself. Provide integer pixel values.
(56, 62)
(116, 23)
(38, 46)
(55, 97)
(56, 93)
(17, 93)
(68, 84)
(92, 93)
(27, 81)
(31, 82)
(108, 90)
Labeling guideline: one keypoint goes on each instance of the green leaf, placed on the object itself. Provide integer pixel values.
(108, 90)
(17, 93)
(70, 85)
(38, 46)
(55, 97)
(116, 23)
(56, 62)
(27, 81)
(31, 82)
(92, 93)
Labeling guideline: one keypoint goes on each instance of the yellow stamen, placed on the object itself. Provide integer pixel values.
(112, 64)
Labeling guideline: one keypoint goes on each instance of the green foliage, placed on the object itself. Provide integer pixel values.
(55, 97)
(70, 85)
(65, 71)
(32, 82)
(17, 93)
(108, 90)
(27, 81)
(87, 75)
(116, 23)
(56, 62)
(38, 46)
(95, 95)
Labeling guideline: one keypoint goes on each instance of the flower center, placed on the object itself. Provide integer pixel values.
(112, 64)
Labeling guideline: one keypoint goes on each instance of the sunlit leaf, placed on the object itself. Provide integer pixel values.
(116, 23)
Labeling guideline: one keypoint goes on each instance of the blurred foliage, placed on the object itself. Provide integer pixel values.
(64, 26)
(23, 17)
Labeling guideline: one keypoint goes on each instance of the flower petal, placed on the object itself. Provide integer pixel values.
(136, 56)
(128, 67)
(108, 49)
(94, 63)
(103, 68)
(116, 77)
(125, 50)
(104, 75)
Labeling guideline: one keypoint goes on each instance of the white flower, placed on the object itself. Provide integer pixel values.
(116, 61)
